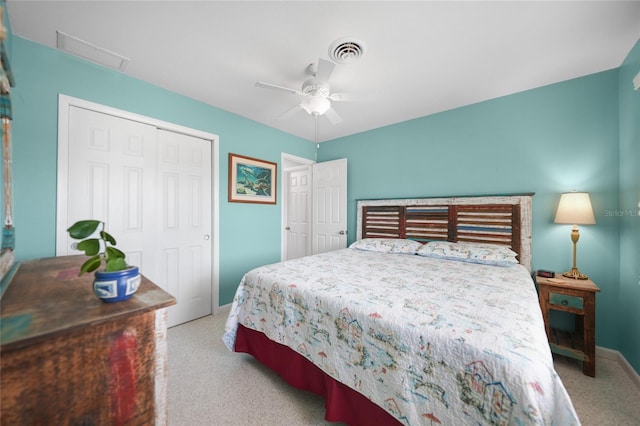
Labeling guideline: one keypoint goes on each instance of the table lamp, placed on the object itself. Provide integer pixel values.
(575, 209)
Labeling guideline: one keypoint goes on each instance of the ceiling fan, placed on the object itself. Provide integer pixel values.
(316, 93)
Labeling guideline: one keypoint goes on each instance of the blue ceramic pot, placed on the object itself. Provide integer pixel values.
(117, 285)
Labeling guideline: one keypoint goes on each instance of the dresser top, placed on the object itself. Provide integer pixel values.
(46, 297)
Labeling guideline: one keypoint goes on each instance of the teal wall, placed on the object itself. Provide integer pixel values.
(629, 211)
(249, 233)
(548, 140)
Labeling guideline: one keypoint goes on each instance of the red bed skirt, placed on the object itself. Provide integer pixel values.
(342, 404)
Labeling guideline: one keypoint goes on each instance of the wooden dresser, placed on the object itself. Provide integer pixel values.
(69, 359)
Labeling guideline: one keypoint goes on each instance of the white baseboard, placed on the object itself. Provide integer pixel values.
(614, 355)
(222, 309)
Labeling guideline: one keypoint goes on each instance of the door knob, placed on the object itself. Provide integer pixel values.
(206, 237)
(342, 232)
(287, 228)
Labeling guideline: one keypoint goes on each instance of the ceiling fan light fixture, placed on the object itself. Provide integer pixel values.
(315, 105)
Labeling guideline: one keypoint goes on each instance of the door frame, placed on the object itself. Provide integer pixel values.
(289, 163)
(65, 103)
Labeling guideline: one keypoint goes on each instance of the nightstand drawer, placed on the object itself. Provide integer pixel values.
(566, 301)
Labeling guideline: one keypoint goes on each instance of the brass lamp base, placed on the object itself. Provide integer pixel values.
(575, 274)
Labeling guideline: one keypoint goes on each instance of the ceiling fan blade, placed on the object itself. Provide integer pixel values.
(324, 71)
(333, 116)
(276, 87)
(290, 112)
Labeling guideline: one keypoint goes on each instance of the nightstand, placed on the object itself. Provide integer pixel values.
(579, 298)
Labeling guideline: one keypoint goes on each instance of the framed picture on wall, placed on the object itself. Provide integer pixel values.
(252, 180)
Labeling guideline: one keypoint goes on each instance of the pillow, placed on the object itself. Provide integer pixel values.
(487, 254)
(387, 245)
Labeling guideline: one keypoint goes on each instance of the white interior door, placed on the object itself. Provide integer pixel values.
(298, 223)
(153, 190)
(111, 177)
(329, 222)
(183, 253)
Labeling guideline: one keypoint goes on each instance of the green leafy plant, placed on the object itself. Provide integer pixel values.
(99, 249)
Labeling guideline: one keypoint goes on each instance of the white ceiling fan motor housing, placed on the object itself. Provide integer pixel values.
(310, 87)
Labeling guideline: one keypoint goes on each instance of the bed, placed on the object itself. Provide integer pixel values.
(429, 317)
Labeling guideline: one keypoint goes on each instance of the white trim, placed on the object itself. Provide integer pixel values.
(613, 355)
(224, 309)
(65, 102)
(296, 168)
(290, 158)
(215, 244)
(606, 353)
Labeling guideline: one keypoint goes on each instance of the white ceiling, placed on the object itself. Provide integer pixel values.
(421, 57)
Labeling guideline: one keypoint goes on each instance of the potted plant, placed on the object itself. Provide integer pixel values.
(116, 281)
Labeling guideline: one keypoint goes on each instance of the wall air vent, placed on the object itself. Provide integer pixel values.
(346, 50)
(89, 51)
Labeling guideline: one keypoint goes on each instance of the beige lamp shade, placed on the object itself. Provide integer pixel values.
(575, 209)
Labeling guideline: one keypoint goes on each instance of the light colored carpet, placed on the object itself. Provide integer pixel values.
(611, 398)
(208, 385)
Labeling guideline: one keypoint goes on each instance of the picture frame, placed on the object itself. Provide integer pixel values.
(252, 180)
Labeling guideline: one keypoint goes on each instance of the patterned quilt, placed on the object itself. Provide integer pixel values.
(431, 341)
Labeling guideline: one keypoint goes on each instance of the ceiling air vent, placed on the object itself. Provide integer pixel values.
(78, 47)
(346, 50)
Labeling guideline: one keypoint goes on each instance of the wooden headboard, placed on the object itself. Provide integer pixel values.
(496, 219)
